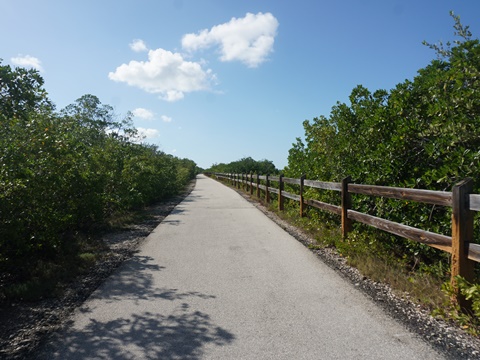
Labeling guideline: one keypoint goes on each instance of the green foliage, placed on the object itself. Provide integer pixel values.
(451, 309)
(423, 134)
(68, 172)
(471, 293)
(245, 166)
(21, 92)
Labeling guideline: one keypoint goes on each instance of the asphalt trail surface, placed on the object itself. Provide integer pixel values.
(217, 279)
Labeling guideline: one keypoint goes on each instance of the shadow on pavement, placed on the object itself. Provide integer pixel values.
(180, 334)
(145, 336)
(135, 282)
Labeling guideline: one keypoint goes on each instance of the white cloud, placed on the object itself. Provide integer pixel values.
(165, 73)
(249, 39)
(148, 133)
(138, 45)
(166, 118)
(143, 113)
(27, 61)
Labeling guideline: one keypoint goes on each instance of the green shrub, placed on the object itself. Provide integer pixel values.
(67, 172)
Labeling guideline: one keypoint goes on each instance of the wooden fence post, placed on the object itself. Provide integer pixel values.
(258, 185)
(280, 196)
(346, 205)
(267, 193)
(462, 234)
(302, 180)
(251, 183)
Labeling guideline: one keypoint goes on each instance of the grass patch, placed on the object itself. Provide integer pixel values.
(120, 220)
(46, 278)
(422, 288)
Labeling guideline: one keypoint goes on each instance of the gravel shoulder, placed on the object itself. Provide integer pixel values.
(25, 327)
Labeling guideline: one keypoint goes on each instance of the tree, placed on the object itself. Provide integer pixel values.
(21, 92)
(245, 166)
(424, 133)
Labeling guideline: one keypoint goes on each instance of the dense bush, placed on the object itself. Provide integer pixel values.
(245, 166)
(69, 171)
(424, 133)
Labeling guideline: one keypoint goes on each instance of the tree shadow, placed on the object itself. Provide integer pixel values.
(172, 222)
(180, 334)
(135, 282)
(145, 336)
(192, 197)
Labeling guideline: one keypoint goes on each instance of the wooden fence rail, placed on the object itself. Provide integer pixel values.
(460, 244)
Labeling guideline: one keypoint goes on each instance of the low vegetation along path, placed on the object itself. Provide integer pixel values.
(217, 279)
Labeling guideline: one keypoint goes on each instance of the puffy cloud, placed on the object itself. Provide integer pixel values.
(165, 73)
(148, 133)
(143, 113)
(138, 45)
(166, 118)
(249, 39)
(27, 61)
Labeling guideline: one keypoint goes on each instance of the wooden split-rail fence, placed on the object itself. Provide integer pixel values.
(464, 252)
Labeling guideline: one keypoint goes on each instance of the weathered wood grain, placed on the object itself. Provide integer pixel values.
(323, 185)
(443, 198)
(474, 200)
(462, 234)
(473, 251)
(324, 206)
(291, 181)
(346, 205)
(291, 196)
(425, 237)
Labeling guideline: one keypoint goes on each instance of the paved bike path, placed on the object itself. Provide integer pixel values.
(217, 279)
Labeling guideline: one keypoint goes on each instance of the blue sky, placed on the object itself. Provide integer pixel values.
(218, 80)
